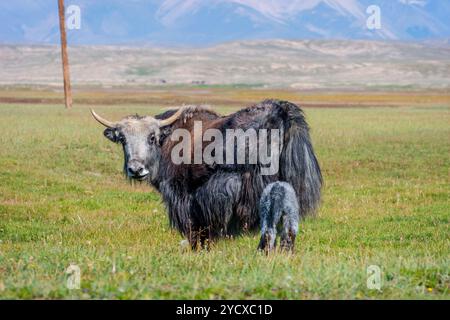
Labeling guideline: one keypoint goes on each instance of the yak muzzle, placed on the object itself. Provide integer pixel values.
(136, 170)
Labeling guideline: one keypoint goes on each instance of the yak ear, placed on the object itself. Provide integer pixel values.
(111, 134)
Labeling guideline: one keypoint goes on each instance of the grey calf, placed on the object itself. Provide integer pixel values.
(278, 209)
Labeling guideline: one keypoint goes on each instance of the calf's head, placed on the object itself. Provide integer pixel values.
(140, 139)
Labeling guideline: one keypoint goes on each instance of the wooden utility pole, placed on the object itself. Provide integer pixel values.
(65, 57)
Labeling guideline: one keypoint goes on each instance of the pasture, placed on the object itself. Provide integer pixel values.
(64, 200)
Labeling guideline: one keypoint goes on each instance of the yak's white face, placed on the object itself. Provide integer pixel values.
(140, 140)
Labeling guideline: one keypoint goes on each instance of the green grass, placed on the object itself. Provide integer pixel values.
(63, 200)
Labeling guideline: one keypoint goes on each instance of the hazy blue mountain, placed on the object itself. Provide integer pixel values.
(199, 22)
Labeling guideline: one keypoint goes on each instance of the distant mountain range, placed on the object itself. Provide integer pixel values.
(200, 22)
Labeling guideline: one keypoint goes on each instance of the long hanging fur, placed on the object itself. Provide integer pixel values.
(299, 165)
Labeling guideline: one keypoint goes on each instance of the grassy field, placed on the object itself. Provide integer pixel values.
(63, 200)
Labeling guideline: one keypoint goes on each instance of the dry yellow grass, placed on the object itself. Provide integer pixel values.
(225, 96)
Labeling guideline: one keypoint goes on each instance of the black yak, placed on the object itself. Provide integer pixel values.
(278, 209)
(207, 200)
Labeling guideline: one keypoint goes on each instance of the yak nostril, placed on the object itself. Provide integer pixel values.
(136, 171)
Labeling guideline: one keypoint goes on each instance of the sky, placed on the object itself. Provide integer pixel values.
(200, 22)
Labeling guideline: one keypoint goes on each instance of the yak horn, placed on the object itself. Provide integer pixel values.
(104, 122)
(171, 119)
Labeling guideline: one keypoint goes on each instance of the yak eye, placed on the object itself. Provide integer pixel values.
(151, 138)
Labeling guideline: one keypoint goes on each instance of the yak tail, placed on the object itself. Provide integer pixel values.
(299, 165)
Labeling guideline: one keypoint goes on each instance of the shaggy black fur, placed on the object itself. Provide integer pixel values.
(209, 201)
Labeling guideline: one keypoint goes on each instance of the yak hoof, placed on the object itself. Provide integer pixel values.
(266, 244)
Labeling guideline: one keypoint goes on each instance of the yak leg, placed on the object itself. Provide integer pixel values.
(267, 242)
(289, 229)
(269, 220)
(199, 238)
